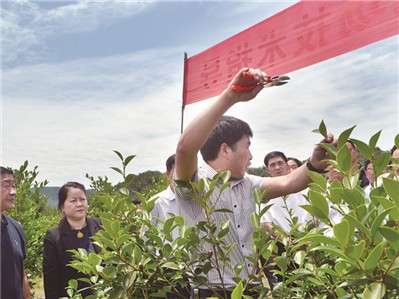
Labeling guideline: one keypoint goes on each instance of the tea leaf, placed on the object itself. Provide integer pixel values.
(341, 233)
(373, 141)
(376, 290)
(391, 235)
(344, 158)
(373, 258)
(344, 136)
(363, 148)
(323, 129)
(392, 188)
(381, 162)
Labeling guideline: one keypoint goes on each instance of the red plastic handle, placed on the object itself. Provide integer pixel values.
(249, 76)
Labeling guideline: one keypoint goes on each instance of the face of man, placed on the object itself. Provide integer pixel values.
(169, 174)
(277, 167)
(8, 192)
(291, 165)
(239, 158)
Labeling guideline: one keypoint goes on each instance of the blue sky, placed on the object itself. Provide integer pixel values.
(81, 79)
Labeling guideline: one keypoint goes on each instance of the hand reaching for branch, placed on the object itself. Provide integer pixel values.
(317, 160)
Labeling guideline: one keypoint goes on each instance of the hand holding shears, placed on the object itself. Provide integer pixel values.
(271, 81)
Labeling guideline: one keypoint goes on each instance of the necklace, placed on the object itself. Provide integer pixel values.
(79, 233)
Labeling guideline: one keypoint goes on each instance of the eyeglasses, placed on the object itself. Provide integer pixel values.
(8, 186)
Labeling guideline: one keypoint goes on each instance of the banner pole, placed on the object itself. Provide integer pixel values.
(184, 92)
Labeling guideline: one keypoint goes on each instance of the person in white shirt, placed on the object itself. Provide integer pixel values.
(279, 214)
(165, 203)
(284, 208)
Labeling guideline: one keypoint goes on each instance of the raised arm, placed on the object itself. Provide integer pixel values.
(197, 132)
(298, 180)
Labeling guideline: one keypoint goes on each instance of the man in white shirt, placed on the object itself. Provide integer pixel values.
(165, 203)
(279, 213)
(284, 208)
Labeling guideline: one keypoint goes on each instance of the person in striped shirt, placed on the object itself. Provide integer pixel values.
(224, 143)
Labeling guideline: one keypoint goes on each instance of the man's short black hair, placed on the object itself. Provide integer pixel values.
(6, 170)
(272, 155)
(297, 162)
(170, 162)
(228, 130)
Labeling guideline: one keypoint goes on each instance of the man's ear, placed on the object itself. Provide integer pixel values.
(224, 149)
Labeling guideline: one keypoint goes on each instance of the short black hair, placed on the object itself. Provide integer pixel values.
(63, 192)
(298, 163)
(6, 170)
(228, 130)
(170, 162)
(272, 155)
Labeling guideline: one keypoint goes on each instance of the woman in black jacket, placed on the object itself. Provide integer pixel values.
(73, 232)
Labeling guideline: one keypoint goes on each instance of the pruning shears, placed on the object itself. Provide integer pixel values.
(271, 81)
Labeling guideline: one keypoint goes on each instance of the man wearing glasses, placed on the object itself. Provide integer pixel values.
(14, 282)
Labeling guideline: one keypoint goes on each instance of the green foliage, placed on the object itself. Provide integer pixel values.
(359, 257)
(149, 182)
(140, 260)
(356, 256)
(259, 171)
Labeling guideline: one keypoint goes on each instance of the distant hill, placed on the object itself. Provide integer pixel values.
(52, 193)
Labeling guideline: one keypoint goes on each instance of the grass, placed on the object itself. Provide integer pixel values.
(38, 288)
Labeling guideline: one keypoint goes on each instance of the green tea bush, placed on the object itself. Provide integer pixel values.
(358, 259)
(141, 260)
(361, 258)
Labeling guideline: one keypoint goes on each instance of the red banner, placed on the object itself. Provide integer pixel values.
(304, 34)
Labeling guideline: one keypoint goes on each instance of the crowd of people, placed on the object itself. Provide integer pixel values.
(224, 143)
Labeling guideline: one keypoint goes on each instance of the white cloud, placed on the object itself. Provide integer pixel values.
(87, 15)
(26, 26)
(68, 117)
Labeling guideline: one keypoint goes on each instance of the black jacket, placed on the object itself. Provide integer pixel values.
(56, 258)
